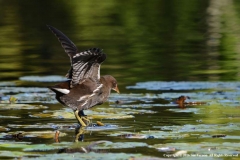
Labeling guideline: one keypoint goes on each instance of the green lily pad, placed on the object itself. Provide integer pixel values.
(116, 145)
(93, 155)
(2, 129)
(21, 106)
(98, 113)
(14, 154)
(7, 84)
(204, 148)
(52, 78)
(161, 85)
(24, 90)
(9, 116)
(40, 134)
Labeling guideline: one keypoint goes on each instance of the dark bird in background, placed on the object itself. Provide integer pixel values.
(84, 87)
(181, 100)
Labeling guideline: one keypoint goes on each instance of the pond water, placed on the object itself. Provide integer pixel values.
(157, 50)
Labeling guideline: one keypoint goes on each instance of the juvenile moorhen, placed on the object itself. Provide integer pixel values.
(84, 87)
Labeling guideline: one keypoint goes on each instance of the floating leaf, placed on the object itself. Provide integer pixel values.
(9, 116)
(23, 89)
(202, 148)
(2, 129)
(95, 127)
(39, 134)
(111, 145)
(21, 106)
(93, 155)
(12, 99)
(51, 78)
(161, 85)
(7, 84)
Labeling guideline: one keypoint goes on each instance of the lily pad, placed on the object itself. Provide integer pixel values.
(23, 90)
(130, 98)
(161, 85)
(119, 111)
(21, 106)
(94, 127)
(116, 145)
(67, 113)
(203, 148)
(59, 126)
(2, 129)
(40, 134)
(7, 84)
(52, 78)
(35, 98)
(131, 135)
(1, 116)
(93, 155)
(14, 154)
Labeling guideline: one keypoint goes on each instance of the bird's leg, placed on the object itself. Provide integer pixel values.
(79, 119)
(84, 117)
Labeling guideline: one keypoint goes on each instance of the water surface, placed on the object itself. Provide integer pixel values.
(157, 50)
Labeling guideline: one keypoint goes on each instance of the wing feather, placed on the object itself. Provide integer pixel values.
(69, 47)
(84, 64)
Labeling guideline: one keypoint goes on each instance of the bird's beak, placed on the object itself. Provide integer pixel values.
(116, 89)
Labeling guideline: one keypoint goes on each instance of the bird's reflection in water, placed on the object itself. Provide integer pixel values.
(83, 149)
(181, 101)
(79, 131)
(86, 149)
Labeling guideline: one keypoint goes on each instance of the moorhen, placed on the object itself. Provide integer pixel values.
(84, 87)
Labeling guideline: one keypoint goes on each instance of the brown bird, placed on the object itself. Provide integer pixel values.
(84, 87)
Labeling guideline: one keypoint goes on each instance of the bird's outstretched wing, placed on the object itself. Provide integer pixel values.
(84, 64)
(69, 47)
(87, 65)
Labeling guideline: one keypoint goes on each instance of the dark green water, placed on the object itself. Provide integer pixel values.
(159, 42)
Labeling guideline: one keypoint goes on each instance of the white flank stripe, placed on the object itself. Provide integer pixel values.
(98, 88)
(85, 103)
(83, 97)
(64, 91)
(88, 97)
(98, 73)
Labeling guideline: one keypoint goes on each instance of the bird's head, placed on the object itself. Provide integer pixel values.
(111, 82)
(115, 86)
